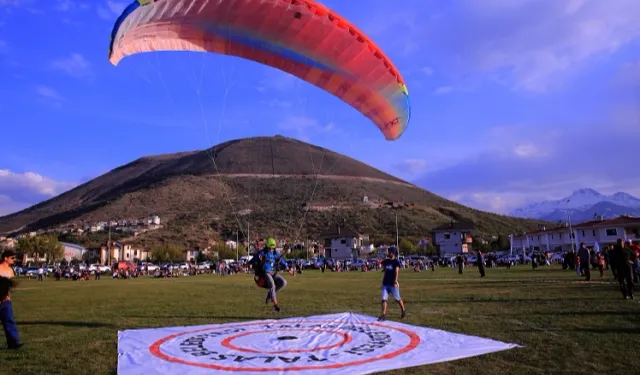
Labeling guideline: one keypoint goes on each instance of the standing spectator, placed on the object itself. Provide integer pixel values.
(635, 258)
(481, 263)
(585, 258)
(6, 309)
(601, 262)
(623, 268)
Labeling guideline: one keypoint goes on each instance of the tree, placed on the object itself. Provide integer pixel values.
(406, 246)
(503, 242)
(224, 252)
(427, 250)
(167, 253)
(383, 240)
(201, 257)
(47, 246)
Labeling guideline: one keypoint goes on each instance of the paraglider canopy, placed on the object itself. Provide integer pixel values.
(300, 37)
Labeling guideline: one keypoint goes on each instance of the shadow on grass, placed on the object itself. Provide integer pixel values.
(67, 324)
(587, 313)
(503, 300)
(196, 317)
(634, 331)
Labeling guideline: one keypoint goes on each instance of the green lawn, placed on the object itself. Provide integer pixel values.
(566, 327)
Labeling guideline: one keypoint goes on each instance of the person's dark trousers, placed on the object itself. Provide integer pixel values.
(587, 273)
(9, 324)
(625, 278)
(481, 269)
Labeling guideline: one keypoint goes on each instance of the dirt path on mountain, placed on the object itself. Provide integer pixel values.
(311, 176)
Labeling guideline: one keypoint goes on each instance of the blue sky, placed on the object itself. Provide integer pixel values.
(513, 100)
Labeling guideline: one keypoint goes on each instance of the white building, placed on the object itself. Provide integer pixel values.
(191, 254)
(154, 220)
(120, 251)
(72, 251)
(342, 243)
(564, 238)
(453, 238)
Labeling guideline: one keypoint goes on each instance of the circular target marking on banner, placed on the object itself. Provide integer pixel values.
(286, 345)
(309, 337)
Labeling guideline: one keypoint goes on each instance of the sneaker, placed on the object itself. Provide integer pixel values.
(404, 314)
(276, 307)
(382, 318)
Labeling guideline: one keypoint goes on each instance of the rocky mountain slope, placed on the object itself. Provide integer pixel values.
(274, 185)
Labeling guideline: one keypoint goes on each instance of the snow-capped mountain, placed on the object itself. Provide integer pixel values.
(582, 205)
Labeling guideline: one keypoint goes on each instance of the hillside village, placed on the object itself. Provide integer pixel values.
(339, 243)
(336, 243)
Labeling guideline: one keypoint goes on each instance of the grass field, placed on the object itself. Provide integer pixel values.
(566, 327)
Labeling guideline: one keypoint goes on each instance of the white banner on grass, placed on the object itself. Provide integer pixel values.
(340, 343)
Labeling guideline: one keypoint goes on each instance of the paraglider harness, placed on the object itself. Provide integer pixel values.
(259, 272)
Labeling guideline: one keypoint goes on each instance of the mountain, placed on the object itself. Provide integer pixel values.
(582, 205)
(276, 185)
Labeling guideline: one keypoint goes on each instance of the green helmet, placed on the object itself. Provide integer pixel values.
(271, 243)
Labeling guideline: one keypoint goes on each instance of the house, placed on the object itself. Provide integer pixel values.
(453, 238)
(72, 251)
(623, 227)
(8, 243)
(568, 237)
(191, 254)
(343, 243)
(120, 251)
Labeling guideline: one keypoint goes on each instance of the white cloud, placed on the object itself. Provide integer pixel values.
(427, 71)
(529, 45)
(523, 164)
(116, 7)
(111, 9)
(13, 2)
(275, 103)
(412, 166)
(498, 202)
(20, 190)
(305, 127)
(75, 65)
(48, 92)
(64, 5)
(278, 81)
(527, 150)
(628, 75)
(444, 90)
(50, 96)
(8, 205)
(70, 5)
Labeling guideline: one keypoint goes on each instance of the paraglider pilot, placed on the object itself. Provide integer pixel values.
(265, 264)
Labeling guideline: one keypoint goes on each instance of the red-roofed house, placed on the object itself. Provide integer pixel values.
(603, 232)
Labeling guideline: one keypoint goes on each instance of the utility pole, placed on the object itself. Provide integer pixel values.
(397, 237)
(109, 246)
(237, 245)
(571, 237)
(248, 239)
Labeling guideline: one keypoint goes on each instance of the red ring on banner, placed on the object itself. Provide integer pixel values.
(413, 343)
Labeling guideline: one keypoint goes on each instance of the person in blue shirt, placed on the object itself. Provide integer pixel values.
(390, 285)
(265, 265)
